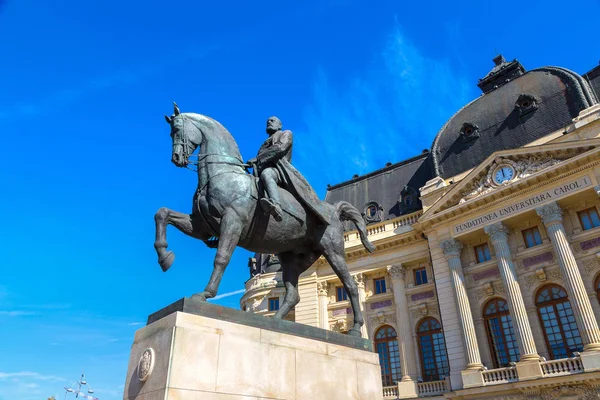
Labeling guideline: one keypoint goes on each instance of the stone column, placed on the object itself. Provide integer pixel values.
(498, 233)
(452, 248)
(362, 296)
(323, 292)
(551, 215)
(405, 335)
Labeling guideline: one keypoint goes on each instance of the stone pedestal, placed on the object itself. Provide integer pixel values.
(528, 370)
(193, 350)
(408, 390)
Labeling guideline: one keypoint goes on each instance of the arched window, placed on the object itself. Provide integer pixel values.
(557, 320)
(434, 360)
(389, 355)
(500, 332)
(597, 288)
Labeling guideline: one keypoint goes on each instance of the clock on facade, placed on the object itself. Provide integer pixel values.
(503, 173)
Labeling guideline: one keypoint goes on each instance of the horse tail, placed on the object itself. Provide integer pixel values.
(347, 212)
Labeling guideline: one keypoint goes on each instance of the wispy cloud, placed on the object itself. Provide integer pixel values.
(15, 313)
(220, 296)
(388, 111)
(135, 323)
(31, 375)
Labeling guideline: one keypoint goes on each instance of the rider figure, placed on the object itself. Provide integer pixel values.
(273, 165)
(278, 146)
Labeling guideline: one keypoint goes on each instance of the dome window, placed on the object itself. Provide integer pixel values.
(372, 212)
(526, 103)
(469, 131)
(408, 198)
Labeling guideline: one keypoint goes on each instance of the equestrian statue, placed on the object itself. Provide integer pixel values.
(272, 211)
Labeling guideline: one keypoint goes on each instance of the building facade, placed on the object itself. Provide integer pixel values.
(486, 278)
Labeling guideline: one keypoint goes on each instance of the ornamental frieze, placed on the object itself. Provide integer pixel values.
(586, 245)
(590, 266)
(382, 318)
(380, 304)
(423, 310)
(544, 258)
(341, 325)
(421, 296)
(485, 274)
(542, 275)
(489, 289)
(523, 168)
(341, 311)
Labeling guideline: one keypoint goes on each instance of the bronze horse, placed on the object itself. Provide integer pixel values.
(226, 212)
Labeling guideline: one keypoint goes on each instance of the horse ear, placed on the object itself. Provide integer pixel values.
(176, 109)
(169, 120)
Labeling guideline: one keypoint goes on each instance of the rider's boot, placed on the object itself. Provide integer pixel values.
(272, 208)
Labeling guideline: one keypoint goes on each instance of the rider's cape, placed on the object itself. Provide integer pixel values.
(301, 189)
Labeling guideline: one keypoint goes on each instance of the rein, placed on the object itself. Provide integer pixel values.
(201, 161)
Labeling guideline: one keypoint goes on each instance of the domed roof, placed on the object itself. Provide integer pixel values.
(517, 107)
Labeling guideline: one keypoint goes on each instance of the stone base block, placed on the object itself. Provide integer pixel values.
(407, 390)
(527, 370)
(471, 378)
(590, 361)
(205, 354)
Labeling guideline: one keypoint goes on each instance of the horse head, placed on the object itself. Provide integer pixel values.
(185, 135)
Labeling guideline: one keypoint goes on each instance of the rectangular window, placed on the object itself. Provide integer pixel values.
(532, 237)
(420, 276)
(379, 285)
(274, 304)
(589, 218)
(340, 294)
(482, 253)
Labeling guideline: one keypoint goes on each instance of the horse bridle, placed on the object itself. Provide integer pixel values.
(188, 149)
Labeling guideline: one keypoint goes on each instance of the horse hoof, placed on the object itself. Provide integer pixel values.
(166, 261)
(199, 297)
(354, 332)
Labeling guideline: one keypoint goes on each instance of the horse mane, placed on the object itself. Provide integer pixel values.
(216, 126)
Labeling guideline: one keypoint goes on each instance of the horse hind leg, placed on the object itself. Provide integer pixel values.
(183, 222)
(292, 266)
(334, 254)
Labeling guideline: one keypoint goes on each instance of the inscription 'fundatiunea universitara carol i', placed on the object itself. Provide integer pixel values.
(534, 201)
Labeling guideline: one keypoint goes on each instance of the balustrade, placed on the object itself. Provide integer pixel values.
(564, 366)
(433, 388)
(390, 392)
(500, 375)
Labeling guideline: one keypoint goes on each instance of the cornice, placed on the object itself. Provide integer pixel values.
(539, 180)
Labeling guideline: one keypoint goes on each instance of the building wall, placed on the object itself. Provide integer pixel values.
(419, 244)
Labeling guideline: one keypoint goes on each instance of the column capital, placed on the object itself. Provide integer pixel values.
(550, 213)
(360, 280)
(497, 232)
(397, 271)
(451, 248)
(323, 288)
(597, 189)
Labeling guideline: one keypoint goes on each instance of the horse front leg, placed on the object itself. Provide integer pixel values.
(229, 236)
(183, 222)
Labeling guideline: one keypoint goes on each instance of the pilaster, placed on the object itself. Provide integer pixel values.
(360, 280)
(498, 234)
(323, 293)
(452, 249)
(405, 343)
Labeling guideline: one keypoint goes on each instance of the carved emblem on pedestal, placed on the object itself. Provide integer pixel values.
(146, 365)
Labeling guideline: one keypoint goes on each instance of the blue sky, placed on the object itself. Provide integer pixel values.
(85, 153)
